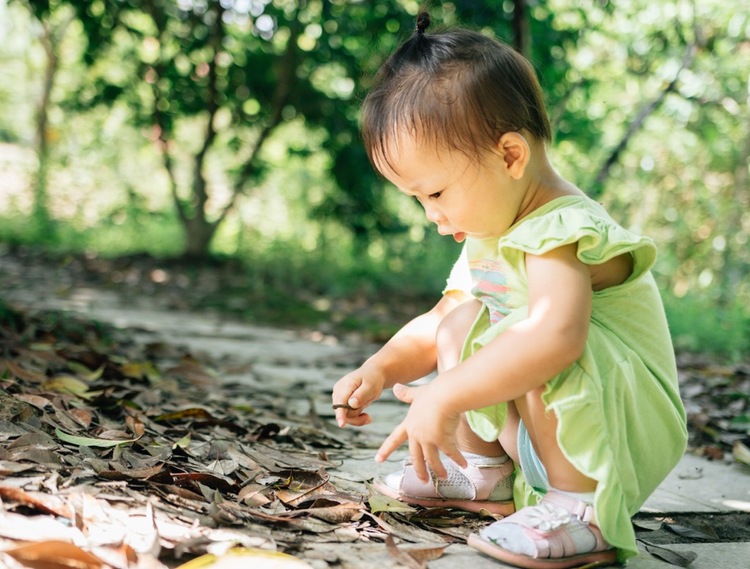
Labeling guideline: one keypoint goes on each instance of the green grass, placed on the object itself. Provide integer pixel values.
(698, 324)
(340, 284)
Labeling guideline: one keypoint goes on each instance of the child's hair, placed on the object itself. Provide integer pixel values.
(458, 89)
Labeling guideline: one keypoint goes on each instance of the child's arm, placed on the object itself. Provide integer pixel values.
(408, 355)
(519, 360)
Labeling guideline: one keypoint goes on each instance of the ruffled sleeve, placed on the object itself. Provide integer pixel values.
(583, 221)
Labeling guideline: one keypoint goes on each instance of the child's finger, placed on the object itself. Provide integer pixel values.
(432, 456)
(341, 418)
(397, 437)
(362, 396)
(358, 420)
(403, 393)
(455, 455)
(418, 461)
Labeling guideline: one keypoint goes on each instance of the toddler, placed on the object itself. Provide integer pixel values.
(556, 403)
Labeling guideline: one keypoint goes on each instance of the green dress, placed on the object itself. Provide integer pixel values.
(620, 418)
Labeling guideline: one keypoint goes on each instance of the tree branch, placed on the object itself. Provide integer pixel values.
(199, 179)
(160, 125)
(637, 123)
(287, 70)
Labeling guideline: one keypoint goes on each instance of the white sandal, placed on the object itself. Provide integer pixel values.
(474, 488)
(549, 525)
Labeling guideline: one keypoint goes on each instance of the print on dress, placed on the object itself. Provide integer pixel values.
(490, 287)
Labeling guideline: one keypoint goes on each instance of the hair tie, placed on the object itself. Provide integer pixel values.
(423, 22)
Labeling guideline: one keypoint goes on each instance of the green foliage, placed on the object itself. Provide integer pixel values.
(701, 326)
(235, 125)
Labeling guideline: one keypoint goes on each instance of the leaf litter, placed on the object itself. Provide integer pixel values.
(212, 462)
(120, 454)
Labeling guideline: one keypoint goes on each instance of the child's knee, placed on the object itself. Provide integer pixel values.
(454, 328)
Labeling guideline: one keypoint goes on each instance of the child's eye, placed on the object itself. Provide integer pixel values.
(435, 195)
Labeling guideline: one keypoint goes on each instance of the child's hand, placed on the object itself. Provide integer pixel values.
(428, 428)
(352, 393)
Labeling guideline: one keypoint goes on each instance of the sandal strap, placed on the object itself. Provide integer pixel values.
(583, 511)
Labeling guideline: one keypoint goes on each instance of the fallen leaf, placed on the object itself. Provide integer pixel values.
(380, 503)
(36, 440)
(402, 557)
(340, 513)
(683, 559)
(741, 452)
(36, 400)
(84, 372)
(702, 532)
(242, 558)
(66, 384)
(38, 500)
(650, 525)
(25, 374)
(192, 413)
(55, 555)
(83, 416)
(90, 441)
(8, 467)
(21, 527)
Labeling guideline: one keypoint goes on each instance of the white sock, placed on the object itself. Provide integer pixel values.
(456, 484)
(481, 460)
(587, 497)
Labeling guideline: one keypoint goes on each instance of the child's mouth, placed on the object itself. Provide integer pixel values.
(459, 237)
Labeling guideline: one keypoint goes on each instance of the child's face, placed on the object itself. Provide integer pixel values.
(464, 197)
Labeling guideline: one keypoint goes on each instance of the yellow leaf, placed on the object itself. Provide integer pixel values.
(741, 452)
(66, 384)
(242, 558)
(380, 503)
(86, 373)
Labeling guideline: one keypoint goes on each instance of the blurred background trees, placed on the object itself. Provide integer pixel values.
(207, 128)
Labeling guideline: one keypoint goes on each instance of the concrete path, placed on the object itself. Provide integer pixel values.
(282, 357)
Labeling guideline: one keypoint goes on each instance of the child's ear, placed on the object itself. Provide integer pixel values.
(515, 151)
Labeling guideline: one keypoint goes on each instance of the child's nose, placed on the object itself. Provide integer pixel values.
(432, 214)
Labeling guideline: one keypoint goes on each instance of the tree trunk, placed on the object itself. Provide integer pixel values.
(41, 214)
(521, 29)
(198, 235)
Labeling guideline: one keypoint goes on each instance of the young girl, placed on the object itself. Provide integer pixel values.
(556, 401)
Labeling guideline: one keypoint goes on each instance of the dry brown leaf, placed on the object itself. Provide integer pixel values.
(35, 440)
(36, 400)
(83, 416)
(55, 555)
(338, 514)
(402, 557)
(135, 425)
(191, 413)
(38, 500)
(9, 467)
(24, 373)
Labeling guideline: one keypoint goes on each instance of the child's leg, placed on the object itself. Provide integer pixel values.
(542, 428)
(563, 526)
